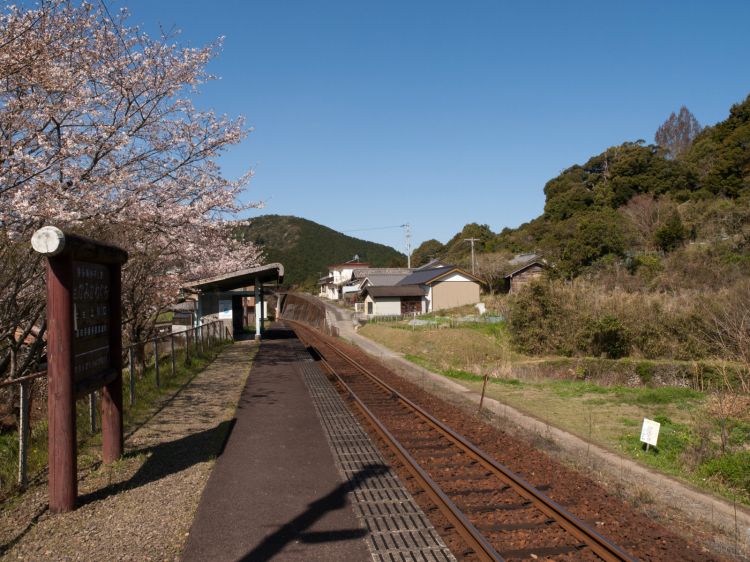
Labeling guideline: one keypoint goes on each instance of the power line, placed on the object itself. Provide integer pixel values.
(406, 226)
(374, 228)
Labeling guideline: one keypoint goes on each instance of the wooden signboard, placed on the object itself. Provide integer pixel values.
(84, 349)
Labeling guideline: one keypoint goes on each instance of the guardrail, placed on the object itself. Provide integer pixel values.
(198, 338)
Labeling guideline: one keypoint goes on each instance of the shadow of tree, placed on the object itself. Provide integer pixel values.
(169, 458)
(296, 529)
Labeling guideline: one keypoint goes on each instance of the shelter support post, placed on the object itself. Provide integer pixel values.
(262, 311)
(258, 315)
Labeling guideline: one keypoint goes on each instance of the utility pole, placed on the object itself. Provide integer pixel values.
(472, 240)
(408, 244)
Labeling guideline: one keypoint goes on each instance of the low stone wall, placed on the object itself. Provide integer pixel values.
(699, 375)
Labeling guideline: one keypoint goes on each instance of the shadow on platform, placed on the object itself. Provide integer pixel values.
(296, 529)
(168, 458)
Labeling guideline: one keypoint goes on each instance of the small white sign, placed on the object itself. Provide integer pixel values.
(650, 432)
(225, 310)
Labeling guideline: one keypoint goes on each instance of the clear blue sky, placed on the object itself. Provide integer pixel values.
(372, 114)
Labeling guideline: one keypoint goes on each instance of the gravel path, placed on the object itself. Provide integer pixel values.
(140, 508)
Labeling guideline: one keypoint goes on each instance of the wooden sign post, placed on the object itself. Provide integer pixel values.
(84, 349)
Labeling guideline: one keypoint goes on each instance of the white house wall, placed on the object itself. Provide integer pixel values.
(388, 306)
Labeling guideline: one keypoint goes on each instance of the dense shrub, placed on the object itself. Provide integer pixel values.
(583, 318)
(672, 234)
(605, 336)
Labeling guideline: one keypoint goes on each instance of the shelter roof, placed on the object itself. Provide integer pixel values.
(395, 291)
(272, 272)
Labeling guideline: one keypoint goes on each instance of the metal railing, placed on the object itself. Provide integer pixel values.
(430, 319)
(192, 340)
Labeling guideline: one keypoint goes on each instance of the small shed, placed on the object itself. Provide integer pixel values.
(524, 275)
(393, 300)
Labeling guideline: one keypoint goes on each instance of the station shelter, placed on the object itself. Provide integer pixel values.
(227, 297)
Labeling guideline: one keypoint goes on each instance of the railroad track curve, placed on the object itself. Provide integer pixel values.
(497, 513)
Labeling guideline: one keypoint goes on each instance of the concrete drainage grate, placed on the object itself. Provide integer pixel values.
(398, 529)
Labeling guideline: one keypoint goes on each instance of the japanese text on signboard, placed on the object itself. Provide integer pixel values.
(91, 319)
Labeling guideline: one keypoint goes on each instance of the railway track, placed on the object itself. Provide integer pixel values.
(497, 514)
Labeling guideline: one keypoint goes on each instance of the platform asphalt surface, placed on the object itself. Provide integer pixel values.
(275, 493)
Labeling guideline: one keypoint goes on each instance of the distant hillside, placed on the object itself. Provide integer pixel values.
(675, 221)
(307, 248)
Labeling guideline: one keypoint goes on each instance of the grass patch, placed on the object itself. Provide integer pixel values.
(148, 398)
(730, 471)
(612, 416)
(674, 440)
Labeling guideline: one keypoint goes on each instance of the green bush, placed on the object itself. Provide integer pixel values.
(605, 336)
(645, 372)
(732, 468)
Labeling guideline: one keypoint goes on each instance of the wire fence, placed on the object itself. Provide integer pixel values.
(430, 320)
(161, 349)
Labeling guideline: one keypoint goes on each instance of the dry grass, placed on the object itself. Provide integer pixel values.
(693, 435)
(449, 348)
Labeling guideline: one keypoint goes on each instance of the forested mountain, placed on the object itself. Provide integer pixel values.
(307, 248)
(642, 206)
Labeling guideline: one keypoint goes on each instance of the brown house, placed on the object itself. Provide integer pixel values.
(524, 275)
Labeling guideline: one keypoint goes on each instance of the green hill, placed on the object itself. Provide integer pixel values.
(638, 207)
(307, 248)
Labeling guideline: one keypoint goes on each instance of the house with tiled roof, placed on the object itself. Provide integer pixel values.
(423, 291)
(339, 274)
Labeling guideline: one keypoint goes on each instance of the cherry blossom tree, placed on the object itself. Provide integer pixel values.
(99, 135)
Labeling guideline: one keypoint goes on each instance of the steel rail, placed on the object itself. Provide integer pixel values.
(475, 540)
(600, 545)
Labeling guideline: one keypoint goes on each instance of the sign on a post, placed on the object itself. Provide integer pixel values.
(650, 432)
(225, 310)
(84, 349)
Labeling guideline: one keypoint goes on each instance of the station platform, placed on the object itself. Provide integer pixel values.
(299, 479)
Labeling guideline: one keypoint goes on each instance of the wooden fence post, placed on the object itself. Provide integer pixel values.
(23, 434)
(171, 344)
(156, 362)
(131, 370)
